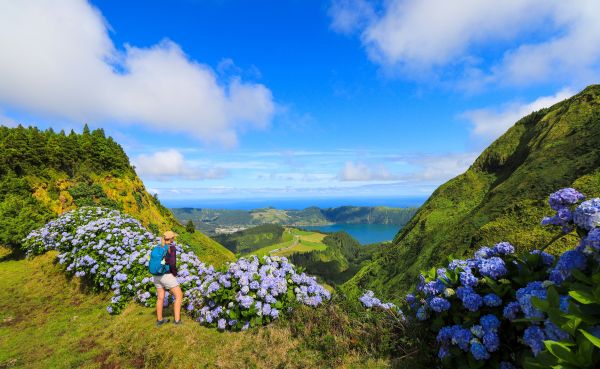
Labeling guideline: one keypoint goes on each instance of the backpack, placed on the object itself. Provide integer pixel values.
(157, 265)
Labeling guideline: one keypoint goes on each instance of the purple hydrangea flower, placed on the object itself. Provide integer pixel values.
(587, 214)
(493, 267)
(504, 248)
(564, 197)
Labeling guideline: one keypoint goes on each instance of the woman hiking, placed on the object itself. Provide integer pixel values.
(168, 281)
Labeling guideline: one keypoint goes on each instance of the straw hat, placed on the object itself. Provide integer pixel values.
(169, 235)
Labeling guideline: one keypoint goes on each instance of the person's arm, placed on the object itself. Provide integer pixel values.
(173, 260)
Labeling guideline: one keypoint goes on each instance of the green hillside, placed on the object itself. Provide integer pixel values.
(73, 330)
(340, 260)
(43, 174)
(501, 197)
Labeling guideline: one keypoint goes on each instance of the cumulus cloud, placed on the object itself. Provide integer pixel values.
(489, 124)
(58, 59)
(539, 40)
(362, 172)
(170, 164)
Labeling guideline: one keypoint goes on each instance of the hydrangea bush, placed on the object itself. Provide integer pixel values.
(252, 292)
(111, 251)
(501, 310)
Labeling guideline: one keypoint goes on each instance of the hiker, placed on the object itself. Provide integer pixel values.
(168, 280)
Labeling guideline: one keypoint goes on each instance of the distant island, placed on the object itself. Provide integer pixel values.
(223, 221)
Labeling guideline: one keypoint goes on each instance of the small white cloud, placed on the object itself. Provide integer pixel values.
(488, 124)
(361, 172)
(170, 164)
(58, 60)
(348, 16)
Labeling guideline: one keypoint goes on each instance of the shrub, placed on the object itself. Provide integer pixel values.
(111, 251)
(499, 310)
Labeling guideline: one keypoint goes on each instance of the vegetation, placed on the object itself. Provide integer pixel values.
(503, 311)
(342, 258)
(73, 330)
(500, 197)
(44, 174)
(208, 220)
(248, 240)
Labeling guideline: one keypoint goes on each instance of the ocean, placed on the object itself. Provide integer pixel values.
(293, 203)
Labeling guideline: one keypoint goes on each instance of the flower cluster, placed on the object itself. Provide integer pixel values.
(111, 251)
(499, 309)
(252, 292)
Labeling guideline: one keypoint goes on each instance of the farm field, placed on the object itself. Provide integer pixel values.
(296, 241)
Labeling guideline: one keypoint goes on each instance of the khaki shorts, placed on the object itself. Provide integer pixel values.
(166, 281)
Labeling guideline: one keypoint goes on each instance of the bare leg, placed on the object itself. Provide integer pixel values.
(160, 292)
(176, 291)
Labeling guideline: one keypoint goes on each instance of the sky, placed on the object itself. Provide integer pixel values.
(223, 99)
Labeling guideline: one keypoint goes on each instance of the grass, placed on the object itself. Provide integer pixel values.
(307, 241)
(48, 320)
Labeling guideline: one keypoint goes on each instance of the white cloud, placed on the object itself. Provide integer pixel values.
(170, 164)
(538, 40)
(362, 172)
(440, 168)
(58, 59)
(488, 124)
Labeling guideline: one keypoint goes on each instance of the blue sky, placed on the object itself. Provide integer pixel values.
(278, 99)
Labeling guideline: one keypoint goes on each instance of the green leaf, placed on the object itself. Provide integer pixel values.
(582, 297)
(561, 351)
(593, 339)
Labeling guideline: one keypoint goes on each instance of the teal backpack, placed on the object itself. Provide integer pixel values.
(157, 265)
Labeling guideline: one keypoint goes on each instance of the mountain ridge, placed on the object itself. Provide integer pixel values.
(501, 197)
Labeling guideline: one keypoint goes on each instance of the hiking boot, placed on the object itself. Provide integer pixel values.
(161, 322)
(178, 322)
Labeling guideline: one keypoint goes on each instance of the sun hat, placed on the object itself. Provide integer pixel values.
(168, 235)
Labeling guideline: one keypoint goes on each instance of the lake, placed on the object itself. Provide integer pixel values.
(363, 233)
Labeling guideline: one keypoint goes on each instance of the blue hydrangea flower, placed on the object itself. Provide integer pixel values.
(489, 322)
(493, 267)
(553, 332)
(477, 331)
(547, 259)
(422, 313)
(439, 304)
(492, 300)
(591, 242)
(524, 295)
(467, 279)
(504, 248)
(511, 310)
(484, 253)
(569, 260)
(461, 337)
(564, 197)
(472, 301)
(534, 337)
(491, 341)
(479, 352)
(587, 214)
(443, 352)
(507, 365)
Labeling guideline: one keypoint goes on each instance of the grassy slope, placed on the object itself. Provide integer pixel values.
(501, 197)
(309, 241)
(56, 324)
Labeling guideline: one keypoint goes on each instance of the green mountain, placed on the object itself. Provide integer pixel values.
(208, 220)
(43, 174)
(501, 197)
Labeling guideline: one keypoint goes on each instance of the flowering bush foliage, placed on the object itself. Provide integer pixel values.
(253, 292)
(370, 301)
(499, 310)
(111, 251)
